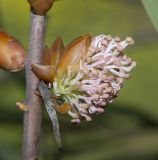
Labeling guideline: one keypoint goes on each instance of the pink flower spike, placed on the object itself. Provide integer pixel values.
(98, 78)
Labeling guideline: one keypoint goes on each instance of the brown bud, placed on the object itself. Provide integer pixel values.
(44, 72)
(40, 7)
(22, 106)
(12, 54)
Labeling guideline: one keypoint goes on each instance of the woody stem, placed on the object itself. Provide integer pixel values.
(32, 118)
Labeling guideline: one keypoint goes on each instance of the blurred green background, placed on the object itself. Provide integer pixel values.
(128, 130)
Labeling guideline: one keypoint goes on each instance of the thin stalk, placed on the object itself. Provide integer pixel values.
(32, 118)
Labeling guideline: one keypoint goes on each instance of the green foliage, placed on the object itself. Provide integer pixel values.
(151, 7)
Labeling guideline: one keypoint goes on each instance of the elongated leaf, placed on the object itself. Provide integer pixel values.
(151, 7)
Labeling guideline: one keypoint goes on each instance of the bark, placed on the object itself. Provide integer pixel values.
(32, 118)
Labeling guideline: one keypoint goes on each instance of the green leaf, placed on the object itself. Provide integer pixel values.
(151, 7)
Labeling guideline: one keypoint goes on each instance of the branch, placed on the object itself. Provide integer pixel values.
(32, 118)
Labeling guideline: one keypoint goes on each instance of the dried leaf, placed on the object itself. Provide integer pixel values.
(51, 111)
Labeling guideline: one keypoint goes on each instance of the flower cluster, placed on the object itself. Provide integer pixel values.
(89, 86)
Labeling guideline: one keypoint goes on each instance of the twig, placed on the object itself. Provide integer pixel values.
(32, 118)
(42, 87)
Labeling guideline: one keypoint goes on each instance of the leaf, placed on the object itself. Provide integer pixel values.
(151, 7)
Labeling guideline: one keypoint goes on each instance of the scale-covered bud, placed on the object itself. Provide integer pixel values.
(41, 7)
(12, 54)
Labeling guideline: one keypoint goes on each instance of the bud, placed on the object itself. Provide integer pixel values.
(41, 7)
(12, 54)
(22, 106)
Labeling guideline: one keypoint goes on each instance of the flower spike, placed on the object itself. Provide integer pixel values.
(90, 75)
